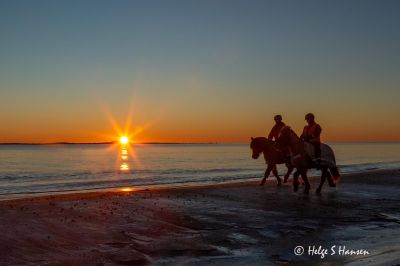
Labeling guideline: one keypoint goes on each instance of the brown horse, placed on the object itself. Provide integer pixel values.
(272, 157)
(301, 159)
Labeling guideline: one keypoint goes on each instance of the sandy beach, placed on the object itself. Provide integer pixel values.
(228, 224)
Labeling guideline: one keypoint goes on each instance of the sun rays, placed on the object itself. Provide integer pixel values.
(124, 137)
(126, 133)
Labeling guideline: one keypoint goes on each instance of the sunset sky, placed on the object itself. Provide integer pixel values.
(198, 71)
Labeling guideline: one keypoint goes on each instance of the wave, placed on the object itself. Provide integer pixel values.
(109, 184)
(37, 177)
(63, 181)
(350, 168)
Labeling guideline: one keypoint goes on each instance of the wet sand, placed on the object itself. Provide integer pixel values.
(229, 224)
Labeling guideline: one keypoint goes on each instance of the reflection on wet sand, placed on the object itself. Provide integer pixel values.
(127, 189)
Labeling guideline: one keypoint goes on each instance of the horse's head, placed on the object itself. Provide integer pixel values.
(257, 145)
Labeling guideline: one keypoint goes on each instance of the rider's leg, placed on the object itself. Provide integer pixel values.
(317, 149)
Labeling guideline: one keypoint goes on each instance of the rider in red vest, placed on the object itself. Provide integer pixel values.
(312, 134)
(276, 129)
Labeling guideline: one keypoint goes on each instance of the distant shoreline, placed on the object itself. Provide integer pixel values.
(178, 143)
(109, 142)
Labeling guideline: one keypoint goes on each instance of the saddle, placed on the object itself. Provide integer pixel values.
(327, 157)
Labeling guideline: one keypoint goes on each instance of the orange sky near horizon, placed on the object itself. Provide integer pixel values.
(184, 128)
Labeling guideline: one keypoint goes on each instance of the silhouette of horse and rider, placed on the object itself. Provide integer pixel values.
(283, 146)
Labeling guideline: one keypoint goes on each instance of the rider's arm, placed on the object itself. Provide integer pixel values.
(303, 135)
(271, 133)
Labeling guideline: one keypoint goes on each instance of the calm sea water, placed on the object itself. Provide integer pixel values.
(27, 169)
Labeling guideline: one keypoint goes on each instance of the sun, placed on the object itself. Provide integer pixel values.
(124, 140)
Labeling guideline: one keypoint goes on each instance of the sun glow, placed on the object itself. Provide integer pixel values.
(124, 140)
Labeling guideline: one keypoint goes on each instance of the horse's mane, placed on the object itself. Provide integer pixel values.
(287, 129)
(259, 141)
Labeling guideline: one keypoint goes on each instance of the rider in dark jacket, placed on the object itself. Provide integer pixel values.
(276, 129)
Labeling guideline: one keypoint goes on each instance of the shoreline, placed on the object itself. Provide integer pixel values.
(165, 187)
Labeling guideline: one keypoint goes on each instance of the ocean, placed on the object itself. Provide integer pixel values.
(45, 169)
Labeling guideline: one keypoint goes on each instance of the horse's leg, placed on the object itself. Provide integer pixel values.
(330, 180)
(323, 178)
(266, 174)
(275, 172)
(296, 181)
(289, 171)
(305, 179)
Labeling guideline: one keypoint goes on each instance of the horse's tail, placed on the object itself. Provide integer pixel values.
(335, 173)
(329, 156)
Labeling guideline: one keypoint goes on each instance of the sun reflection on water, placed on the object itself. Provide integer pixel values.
(124, 153)
(124, 167)
(124, 137)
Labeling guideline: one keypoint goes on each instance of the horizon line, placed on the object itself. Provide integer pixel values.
(169, 143)
(97, 143)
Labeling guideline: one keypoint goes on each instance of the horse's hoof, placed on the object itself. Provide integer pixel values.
(279, 184)
(332, 185)
(285, 180)
(295, 187)
(306, 191)
(318, 191)
(261, 184)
